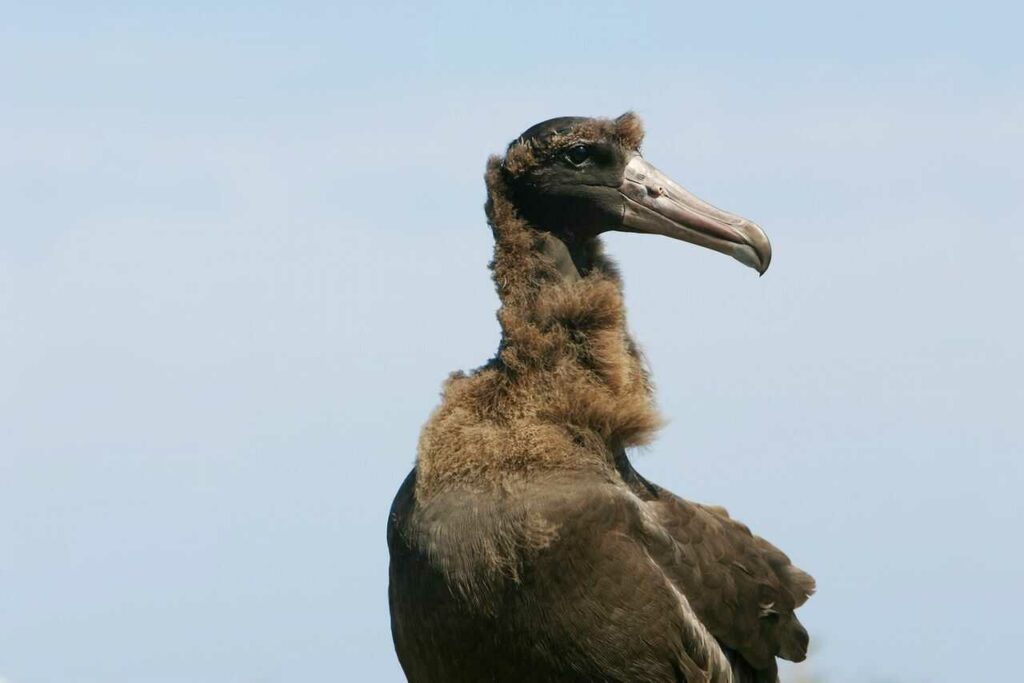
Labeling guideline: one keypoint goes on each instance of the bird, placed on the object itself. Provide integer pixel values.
(524, 546)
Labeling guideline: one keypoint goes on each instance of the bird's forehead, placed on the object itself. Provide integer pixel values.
(544, 130)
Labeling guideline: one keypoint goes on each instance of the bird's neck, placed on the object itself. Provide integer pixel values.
(567, 388)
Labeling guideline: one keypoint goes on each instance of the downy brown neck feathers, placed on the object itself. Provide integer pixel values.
(567, 388)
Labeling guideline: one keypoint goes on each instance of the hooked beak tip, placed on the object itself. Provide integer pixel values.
(760, 246)
(754, 251)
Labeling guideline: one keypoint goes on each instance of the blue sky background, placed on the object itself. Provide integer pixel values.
(241, 246)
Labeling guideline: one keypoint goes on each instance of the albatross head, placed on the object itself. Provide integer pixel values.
(577, 177)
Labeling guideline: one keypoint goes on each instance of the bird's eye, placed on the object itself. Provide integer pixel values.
(577, 154)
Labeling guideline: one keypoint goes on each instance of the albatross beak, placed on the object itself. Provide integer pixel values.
(654, 203)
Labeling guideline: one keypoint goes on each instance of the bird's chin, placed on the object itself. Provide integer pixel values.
(654, 203)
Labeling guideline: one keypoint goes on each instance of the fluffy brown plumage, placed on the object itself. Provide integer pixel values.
(523, 545)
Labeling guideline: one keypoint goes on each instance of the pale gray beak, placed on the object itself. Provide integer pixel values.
(657, 204)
